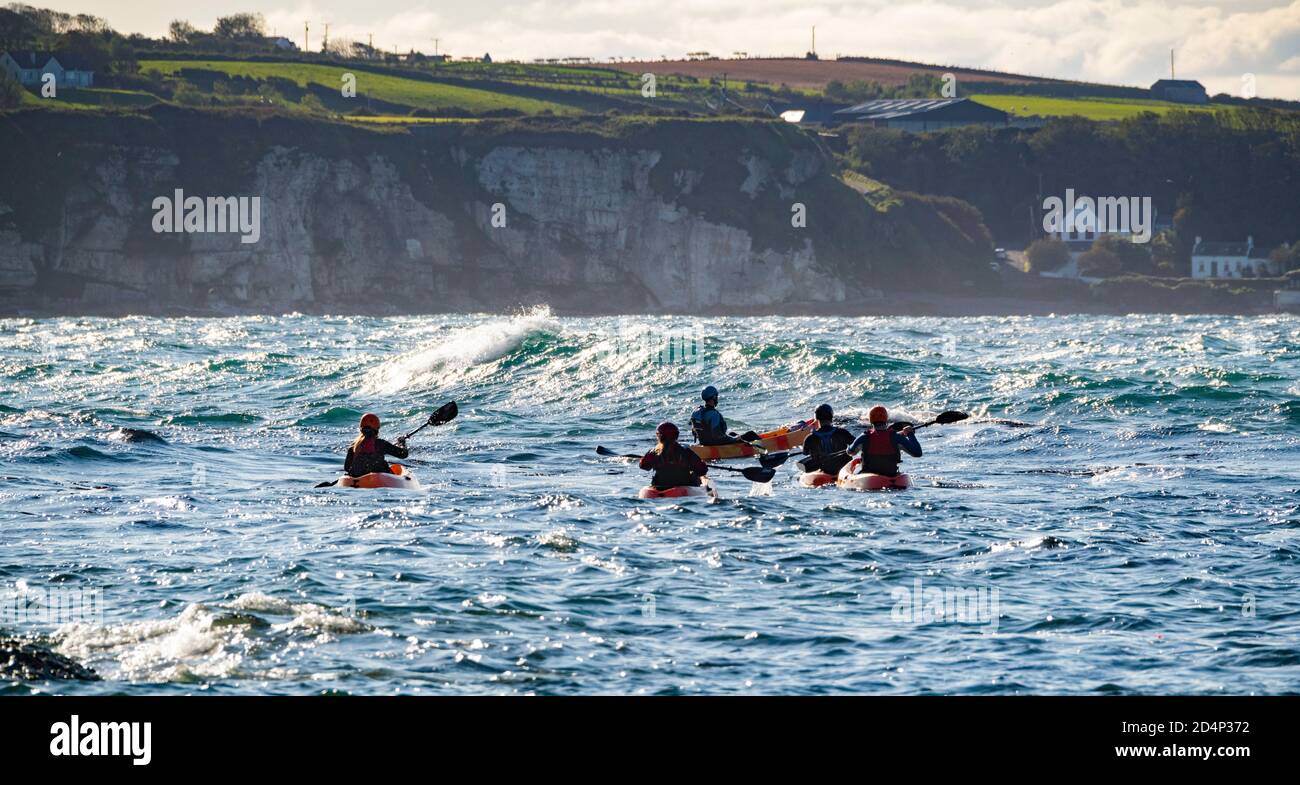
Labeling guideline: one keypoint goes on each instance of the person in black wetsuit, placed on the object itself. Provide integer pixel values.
(825, 447)
(673, 464)
(366, 455)
(710, 427)
(882, 448)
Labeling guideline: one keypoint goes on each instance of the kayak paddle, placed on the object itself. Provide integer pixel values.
(611, 454)
(752, 473)
(946, 418)
(445, 414)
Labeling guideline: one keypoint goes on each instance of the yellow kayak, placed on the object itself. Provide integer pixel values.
(787, 438)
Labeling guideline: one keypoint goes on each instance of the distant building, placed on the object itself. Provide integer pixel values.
(1183, 91)
(1080, 231)
(282, 43)
(1287, 300)
(29, 68)
(1231, 260)
(922, 114)
(813, 113)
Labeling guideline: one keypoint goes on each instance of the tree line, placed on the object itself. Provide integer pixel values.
(1222, 176)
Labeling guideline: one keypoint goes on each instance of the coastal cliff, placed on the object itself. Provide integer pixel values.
(619, 215)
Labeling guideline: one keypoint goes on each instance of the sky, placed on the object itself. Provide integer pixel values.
(1229, 45)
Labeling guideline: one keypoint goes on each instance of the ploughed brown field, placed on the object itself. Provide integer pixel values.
(811, 73)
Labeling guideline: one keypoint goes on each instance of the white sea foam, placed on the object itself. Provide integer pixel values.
(198, 643)
(459, 352)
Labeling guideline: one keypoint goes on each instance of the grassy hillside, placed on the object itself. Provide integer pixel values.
(1091, 108)
(415, 93)
(812, 74)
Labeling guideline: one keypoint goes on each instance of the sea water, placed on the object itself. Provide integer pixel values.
(1120, 514)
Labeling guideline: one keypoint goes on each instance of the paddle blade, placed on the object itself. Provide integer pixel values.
(759, 474)
(950, 417)
(773, 459)
(326, 484)
(611, 454)
(445, 414)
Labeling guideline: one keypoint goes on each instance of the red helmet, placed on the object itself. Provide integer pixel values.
(370, 421)
(878, 414)
(667, 432)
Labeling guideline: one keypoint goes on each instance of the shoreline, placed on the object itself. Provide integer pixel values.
(933, 305)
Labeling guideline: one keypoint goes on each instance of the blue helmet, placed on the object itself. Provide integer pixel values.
(709, 393)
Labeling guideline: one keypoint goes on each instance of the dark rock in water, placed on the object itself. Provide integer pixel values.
(137, 435)
(33, 662)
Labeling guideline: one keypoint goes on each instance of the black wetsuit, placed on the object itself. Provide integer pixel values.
(820, 445)
(674, 466)
(367, 455)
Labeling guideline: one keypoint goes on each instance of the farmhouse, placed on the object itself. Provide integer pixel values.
(1080, 228)
(922, 114)
(813, 113)
(1231, 260)
(1183, 91)
(28, 68)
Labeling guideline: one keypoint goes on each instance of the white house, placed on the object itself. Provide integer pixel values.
(1231, 260)
(29, 68)
(1078, 231)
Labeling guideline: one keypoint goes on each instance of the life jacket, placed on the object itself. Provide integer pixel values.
(881, 455)
(704, 433)
(824, 459)
(674, 468)
(825, 439)
(367, 457)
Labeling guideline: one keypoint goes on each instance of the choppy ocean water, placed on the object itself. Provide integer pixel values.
(1120, 515)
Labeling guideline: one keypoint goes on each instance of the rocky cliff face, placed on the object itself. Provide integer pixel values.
(361, 221)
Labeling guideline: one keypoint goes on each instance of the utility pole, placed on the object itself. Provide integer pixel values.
(435, 47)
(325, 46)
(1171, 64)
(306, 39)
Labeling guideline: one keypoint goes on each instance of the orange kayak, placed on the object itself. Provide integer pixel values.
(401, 477)
(816, 479)
(705, 488)
(787, 438)
(853, 480)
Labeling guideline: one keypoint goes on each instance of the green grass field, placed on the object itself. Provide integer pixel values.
(394, 119)
(409, 92)
(91, 98)
(1091, 108)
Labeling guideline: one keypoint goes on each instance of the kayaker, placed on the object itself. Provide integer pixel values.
(710, 427)
(882, 448)
(673, 464)
(826, 447)
(366, 455)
